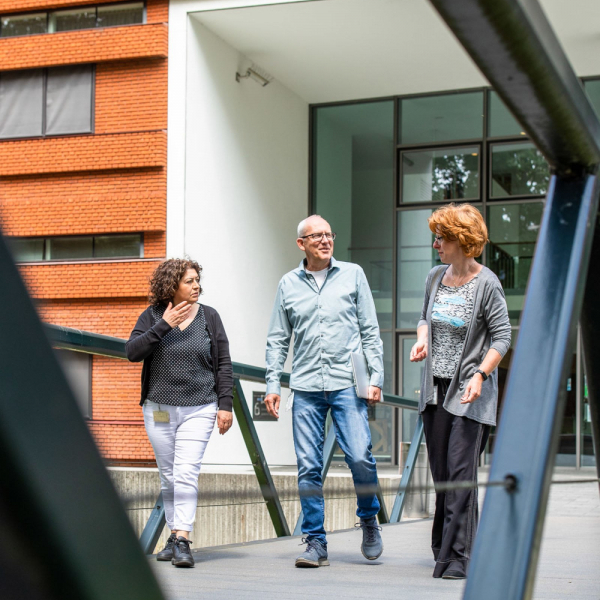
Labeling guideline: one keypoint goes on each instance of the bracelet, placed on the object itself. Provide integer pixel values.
(482, 373)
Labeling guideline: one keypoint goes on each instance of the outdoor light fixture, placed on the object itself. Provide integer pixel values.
(252, 74)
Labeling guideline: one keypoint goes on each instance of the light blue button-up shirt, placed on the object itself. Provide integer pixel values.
(328, 325)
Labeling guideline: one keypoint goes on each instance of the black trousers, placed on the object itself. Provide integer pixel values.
(454, 445)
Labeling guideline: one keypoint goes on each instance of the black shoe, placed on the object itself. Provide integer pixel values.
(167, 552)
(182, 556)
(454, 575)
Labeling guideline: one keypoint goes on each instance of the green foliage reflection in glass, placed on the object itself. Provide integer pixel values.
(439, 175)
(518, 170)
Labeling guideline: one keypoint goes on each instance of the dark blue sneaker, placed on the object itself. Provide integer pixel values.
(315, 555)
(167, 552)
(372, 545)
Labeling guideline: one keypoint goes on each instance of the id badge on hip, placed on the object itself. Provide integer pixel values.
(435, 395)
(161, 416)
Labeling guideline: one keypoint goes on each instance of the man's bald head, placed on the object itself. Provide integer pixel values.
(314, 223)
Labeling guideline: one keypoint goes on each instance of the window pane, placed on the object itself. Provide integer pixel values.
(120, 14)
(416, 257)
(69, 20)
(501, 121)
(108, 246)
(410, 385)
(69, 100)
(441, 118)
(27, 249)
(518, 170)
(69, 247)
(23, 25)
(21, 103)
(513, 231)
(388, 384)
(440, 175)
(593, 91)
(353, 174)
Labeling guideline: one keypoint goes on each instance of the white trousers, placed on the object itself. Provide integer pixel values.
(179, 447)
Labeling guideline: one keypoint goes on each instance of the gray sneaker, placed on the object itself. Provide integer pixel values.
(315, 555)
(372, 545)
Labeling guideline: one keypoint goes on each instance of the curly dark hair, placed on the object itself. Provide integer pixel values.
(166, 277)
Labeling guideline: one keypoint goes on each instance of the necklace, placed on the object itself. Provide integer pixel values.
(455, 280)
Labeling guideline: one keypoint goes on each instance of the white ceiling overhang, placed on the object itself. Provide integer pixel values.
(334, 50)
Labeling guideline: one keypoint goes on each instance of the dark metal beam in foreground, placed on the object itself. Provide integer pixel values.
(505, 556)
(590, 333)
(513, 44)
(64, 531)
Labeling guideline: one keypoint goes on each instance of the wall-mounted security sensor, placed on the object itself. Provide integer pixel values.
(252, 74)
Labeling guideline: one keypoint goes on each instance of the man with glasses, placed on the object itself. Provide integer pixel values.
(328, 306)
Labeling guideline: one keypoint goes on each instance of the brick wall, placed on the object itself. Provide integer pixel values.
(115, 317)
(106, 202)
(130, 97)
(84, 46)
(113, 180)
(83, 153)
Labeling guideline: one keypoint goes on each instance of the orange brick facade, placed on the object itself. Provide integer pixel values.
(110, 181)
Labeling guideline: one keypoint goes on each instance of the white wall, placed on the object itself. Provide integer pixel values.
(246, 189)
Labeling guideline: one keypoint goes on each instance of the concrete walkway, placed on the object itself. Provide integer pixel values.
(569, 565)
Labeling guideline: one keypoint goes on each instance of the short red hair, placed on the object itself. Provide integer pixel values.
(463, 223)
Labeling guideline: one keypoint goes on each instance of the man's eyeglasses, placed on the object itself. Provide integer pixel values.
(316, 237)
(438, 238)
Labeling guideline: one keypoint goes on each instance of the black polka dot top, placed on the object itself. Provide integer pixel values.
(181, 371)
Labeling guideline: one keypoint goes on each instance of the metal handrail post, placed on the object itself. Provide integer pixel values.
(258, 460)
(407, 472)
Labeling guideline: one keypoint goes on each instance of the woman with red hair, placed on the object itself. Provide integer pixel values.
(462, 336)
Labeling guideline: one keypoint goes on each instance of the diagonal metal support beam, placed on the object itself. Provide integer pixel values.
(407, 473)
(55, 492)
(506, 551)
(259, 462)
(154, 526)
(513, 44)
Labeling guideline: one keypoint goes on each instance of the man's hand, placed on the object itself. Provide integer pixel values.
(374, 395)
(178, 314)
(224, 421)
(272, 403)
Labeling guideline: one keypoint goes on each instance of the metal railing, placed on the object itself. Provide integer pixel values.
(65, 338)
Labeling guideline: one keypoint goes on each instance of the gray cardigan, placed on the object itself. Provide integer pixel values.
(489, 328)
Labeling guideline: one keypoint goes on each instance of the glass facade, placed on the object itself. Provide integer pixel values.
(460, 146)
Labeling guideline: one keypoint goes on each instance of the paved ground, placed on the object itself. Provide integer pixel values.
(569, 565)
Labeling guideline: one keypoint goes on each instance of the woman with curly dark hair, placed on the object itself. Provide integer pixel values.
(187, 384)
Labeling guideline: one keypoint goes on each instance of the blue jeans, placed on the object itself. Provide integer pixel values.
(349, 414)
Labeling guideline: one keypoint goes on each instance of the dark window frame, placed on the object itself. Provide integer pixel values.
(85, 7)
(45, 101)
(93, 258)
